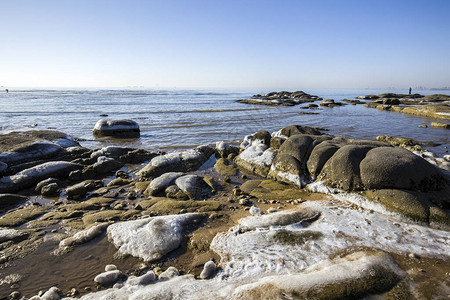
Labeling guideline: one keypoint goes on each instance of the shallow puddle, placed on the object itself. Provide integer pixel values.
(41, 270)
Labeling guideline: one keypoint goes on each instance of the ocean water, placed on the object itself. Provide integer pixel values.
(185, 118)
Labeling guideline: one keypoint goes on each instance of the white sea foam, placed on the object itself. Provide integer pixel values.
(150, 238)
(258, 154)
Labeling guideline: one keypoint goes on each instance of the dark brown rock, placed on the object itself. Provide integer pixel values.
(388, 167)
(342, 169)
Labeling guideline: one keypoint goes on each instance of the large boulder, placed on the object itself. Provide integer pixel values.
(286, 168)
(34, 151)
(320, 155)
(116, 128)
(290, 165)
(342, 169)
(106, 164)
(387, 167)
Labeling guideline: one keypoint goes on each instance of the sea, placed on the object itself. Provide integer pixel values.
(172, 119)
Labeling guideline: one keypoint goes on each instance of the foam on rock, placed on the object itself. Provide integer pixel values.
(84, 236)
(257, 157)
(150, 238)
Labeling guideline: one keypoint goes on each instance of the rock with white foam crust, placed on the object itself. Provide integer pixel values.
(51, 294)
(145, 279)
(11, 235)
(84, 236)
(108, 278)
(257, 158)
(116, 128)
(353, 276)
(150, 238)
(170, 273)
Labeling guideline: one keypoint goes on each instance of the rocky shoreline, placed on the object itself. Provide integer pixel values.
(434, 106)
(285, 214)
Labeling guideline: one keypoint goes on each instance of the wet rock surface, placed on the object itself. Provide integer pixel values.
(235, 217)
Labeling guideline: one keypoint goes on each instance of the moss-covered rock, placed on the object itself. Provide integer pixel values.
(439, 218)
(408, 144)
(140, 186)
(342, 169)
(91, 204)
(21, 216)
(407, 203)
(108, 215)
(271, 190)
(169, 207)
(352, 277)
(225, 167)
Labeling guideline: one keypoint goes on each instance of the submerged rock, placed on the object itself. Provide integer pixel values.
(116, 128)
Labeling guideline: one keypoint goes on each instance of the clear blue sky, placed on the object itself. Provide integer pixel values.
(229, 43)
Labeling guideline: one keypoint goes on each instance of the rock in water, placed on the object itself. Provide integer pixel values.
(150, 238)
(116, 128)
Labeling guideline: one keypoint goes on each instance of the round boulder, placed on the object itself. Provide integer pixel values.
(387, 167)
(342, 169)
(116, 128)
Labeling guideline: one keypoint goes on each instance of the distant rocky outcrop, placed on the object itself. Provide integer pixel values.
(281, 98)
(434, 106)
